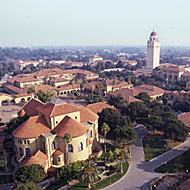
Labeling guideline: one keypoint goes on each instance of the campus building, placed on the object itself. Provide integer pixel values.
(40, 139)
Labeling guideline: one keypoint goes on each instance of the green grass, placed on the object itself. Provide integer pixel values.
(6, 179)
(178, 164)
(104, 183)
(2, 163)
(154, 147)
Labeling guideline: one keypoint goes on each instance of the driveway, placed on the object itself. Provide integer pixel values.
(141, 173)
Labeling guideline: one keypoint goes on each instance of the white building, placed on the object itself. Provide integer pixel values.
(153, 52)
(95, 58)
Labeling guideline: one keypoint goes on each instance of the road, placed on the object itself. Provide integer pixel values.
(141, 173)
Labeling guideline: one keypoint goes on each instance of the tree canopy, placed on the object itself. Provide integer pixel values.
(144, 96)
(42, 96)
(175, 130)
(31, 173)
(14, 123)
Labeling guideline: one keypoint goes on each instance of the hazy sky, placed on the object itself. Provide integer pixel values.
(93, 22)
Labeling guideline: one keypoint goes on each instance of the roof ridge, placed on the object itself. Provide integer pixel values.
(52, 110)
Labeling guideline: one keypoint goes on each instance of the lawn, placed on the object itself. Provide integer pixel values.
(178, 164)
(104, 183)
(2, 163)
(154, 147)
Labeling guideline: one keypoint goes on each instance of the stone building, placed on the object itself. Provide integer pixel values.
(40, 139)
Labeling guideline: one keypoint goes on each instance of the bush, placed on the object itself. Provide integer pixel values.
(111, 172)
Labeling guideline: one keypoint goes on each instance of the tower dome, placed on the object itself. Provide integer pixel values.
(153, 33)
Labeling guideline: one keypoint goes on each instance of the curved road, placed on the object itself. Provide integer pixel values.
(141, 173)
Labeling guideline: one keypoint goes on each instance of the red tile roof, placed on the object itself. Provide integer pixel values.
(71, 126)
(38, 158)
(33, 127)
(185, 185)
(87, 115)
(30, 107)
(21, 113)
(58, 152)
(98, 107)
(185, 118)
(174, 69)
(52, 110)
(44, 88)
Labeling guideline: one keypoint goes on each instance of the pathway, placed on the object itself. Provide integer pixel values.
(141, 173)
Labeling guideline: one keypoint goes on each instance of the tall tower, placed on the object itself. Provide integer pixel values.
(153, 51)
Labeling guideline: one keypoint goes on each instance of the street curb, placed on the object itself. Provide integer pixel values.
(167, 152)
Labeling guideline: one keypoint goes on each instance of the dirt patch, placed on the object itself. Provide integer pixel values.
(159, 134)
(155, 134)
(172, 143)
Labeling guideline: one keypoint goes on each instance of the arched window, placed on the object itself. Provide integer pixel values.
(175, 77)
(28, 141)
(70, 148)
(21, 151)
(24, 141)
(165, 76)
(90, 134)
(53, 145)
(80, 147)
(27, 152)
(20, 141)
(58, 159)
(170, 76)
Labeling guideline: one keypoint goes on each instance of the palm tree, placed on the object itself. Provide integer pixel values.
(67, 138)
(121, 79)
(121, 156)
(72, 82)
(89, 174)
(81, 87)
(104, 130)
(129, 79)
(92, 87)
(99, 86)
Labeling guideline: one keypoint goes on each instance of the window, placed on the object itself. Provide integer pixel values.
(21, 151)
(86, 142)
(28, 142)
(24, 141)
(27, 152)
(90, 134)
(52, 145)
(70, 148)
(80, 147)
(44, 145)
(20, 141)
(75, 117)
(58, 158)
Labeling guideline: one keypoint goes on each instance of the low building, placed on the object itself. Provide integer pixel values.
(95, 58)
(185, 118)
(40, 139)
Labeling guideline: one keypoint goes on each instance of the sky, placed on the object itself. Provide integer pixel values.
(93, 22)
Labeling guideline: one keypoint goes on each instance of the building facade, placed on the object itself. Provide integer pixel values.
(153, 51)
(42, 135)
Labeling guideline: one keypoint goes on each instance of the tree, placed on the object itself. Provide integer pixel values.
(82, 86)
(89, 174)
(167, 116)
(28, 186)
(67, 138)
(154, 122)
(144, 96)
(99, 86)
(52, 93)
(175, 130)
(121, 79)
(92, 87)
(112, 118)
(156, 108)
(104, 130)
(31, 173)
(137, 109)
(123, 156)
(125, 135)
(14, 123)
(42, 96)
(31, 90)
(72, 82)
(69, 171)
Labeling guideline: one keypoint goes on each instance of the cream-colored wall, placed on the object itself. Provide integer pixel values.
(33, 146)
(56, 120)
